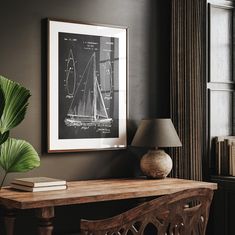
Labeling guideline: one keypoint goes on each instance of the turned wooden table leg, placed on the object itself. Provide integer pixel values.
(45, 217)
(9, 220)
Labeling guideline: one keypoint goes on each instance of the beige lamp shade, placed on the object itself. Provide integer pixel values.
(156, 133)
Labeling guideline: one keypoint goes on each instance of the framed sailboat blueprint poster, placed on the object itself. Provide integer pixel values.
(87, 86)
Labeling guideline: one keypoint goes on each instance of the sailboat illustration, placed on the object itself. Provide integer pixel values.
(70, 71)
(87, 106)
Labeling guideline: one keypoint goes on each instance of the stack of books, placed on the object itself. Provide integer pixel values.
(38, 184)
(225, 155)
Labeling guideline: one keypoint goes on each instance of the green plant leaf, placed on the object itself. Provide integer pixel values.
(3, 137)
(18, 156)
(2, 101)
(16, 102)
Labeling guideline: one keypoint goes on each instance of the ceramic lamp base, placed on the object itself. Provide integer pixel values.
(156, 164)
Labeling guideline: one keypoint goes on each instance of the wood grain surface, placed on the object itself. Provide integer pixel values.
(97, 190)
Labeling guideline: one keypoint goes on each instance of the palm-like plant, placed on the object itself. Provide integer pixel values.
(15, 155)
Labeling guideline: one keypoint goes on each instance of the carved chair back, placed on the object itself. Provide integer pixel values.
(182, 213)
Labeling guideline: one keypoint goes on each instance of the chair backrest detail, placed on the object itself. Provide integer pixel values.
(182, 213)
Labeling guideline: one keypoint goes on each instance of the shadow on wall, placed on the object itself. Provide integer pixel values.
(159, 82)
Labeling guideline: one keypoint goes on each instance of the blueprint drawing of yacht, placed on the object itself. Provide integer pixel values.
(87, 107)
(88, 86)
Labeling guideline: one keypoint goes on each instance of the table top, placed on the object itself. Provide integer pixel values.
(86, 191)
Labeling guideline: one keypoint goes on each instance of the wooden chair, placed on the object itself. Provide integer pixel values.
(181, 213)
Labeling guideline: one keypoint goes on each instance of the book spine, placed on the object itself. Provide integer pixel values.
(224, 158)
(224, 155)
(229, 151)
(217, 157)
(233, 158)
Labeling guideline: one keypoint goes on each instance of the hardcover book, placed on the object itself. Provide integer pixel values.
(38, 189)
(38, 182)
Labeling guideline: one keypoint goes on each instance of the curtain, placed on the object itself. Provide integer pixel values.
(188, 85)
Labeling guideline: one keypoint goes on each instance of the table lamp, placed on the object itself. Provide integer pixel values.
(155, 134)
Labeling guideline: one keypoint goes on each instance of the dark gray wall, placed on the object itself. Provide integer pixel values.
(23, 59)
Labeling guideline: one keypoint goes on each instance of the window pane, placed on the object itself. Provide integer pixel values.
(220, 44)
(221, 113)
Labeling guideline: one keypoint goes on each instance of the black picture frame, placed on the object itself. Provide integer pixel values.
(87, 86)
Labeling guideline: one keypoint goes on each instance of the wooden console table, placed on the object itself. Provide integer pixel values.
(84, 192)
